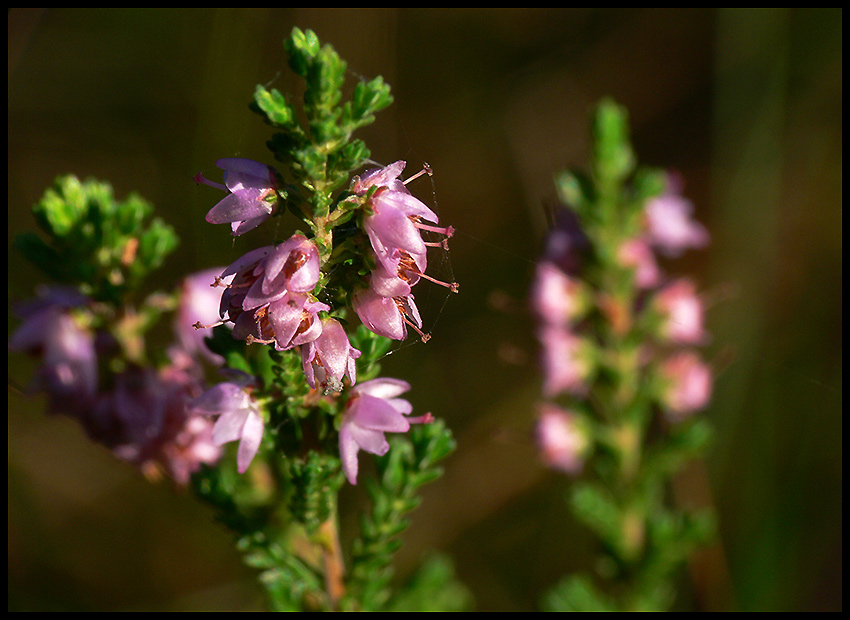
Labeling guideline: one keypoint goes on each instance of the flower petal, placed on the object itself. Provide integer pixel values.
(241, 205)
(348, 449)
(252, 434)
(377, 414)
(229, 426)
(221, 398)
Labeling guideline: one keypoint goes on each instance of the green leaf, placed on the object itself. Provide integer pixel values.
(302, 47)
(275, 107)
(594, 506)
(315, 480)
(577, 593)
(433, 587)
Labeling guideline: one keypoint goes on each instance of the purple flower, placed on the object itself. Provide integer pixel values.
(388, 316)
(200, 300)
(372, 410)
(682, 312)
(145, 421)
(394, 219)
(330, 357)
(687, 384)
(249, 183)
(240, 418)
(557, 298)
(68, 373)
(671, 228)
(268, 299)
(562, 440)
(566, 362)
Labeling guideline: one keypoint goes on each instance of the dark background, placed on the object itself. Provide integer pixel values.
(747, 105)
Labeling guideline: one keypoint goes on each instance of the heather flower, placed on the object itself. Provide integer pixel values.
(240, 419)
(200, 300)
(372, 410)
(686, 384)
(329, 358)
(250, 183)
(68, 373)
(387, 316)
(682, 313)
(268, 299)
(562, 440)
(556, 297)
(567, 362)
(394, 218)
(670, 226)
(636, 254)
(379, 177)
(567, 245)
(145, 421)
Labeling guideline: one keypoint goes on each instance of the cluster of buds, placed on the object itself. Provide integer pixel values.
(270, 298)
(569, 308)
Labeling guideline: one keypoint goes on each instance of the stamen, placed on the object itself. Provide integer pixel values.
(448, 232)
(199, 179)
(220, 282)
(426, 169)
(452, 286)
(251, 340)
(425, 337)
(422, 419)
(438, 244)
(200, 325)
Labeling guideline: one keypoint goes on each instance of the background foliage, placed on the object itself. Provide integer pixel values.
(745, 104)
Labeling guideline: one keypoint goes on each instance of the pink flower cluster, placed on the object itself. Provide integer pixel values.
(268, 299)
(141, 414)
(394, 220)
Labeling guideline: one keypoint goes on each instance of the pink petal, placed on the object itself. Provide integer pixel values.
(383, 388)
(244, 204)
(348, 449)
(252, 434)
(229, 426)
(379, 314)
(377, 414)
(221, 398)
(369, 440)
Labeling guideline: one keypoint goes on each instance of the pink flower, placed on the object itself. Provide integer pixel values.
(682, 311)
(145, 421)
(240, 419)
(268, 299)
(687, 384)
(636, 254)
(393, 223)
(388, 316)
(372, 410)
(556, 297)
(200, 300)
(249, 183)
(68, 373)
(670, 226)
(562, 441)
(329, 358)
(567, 362)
